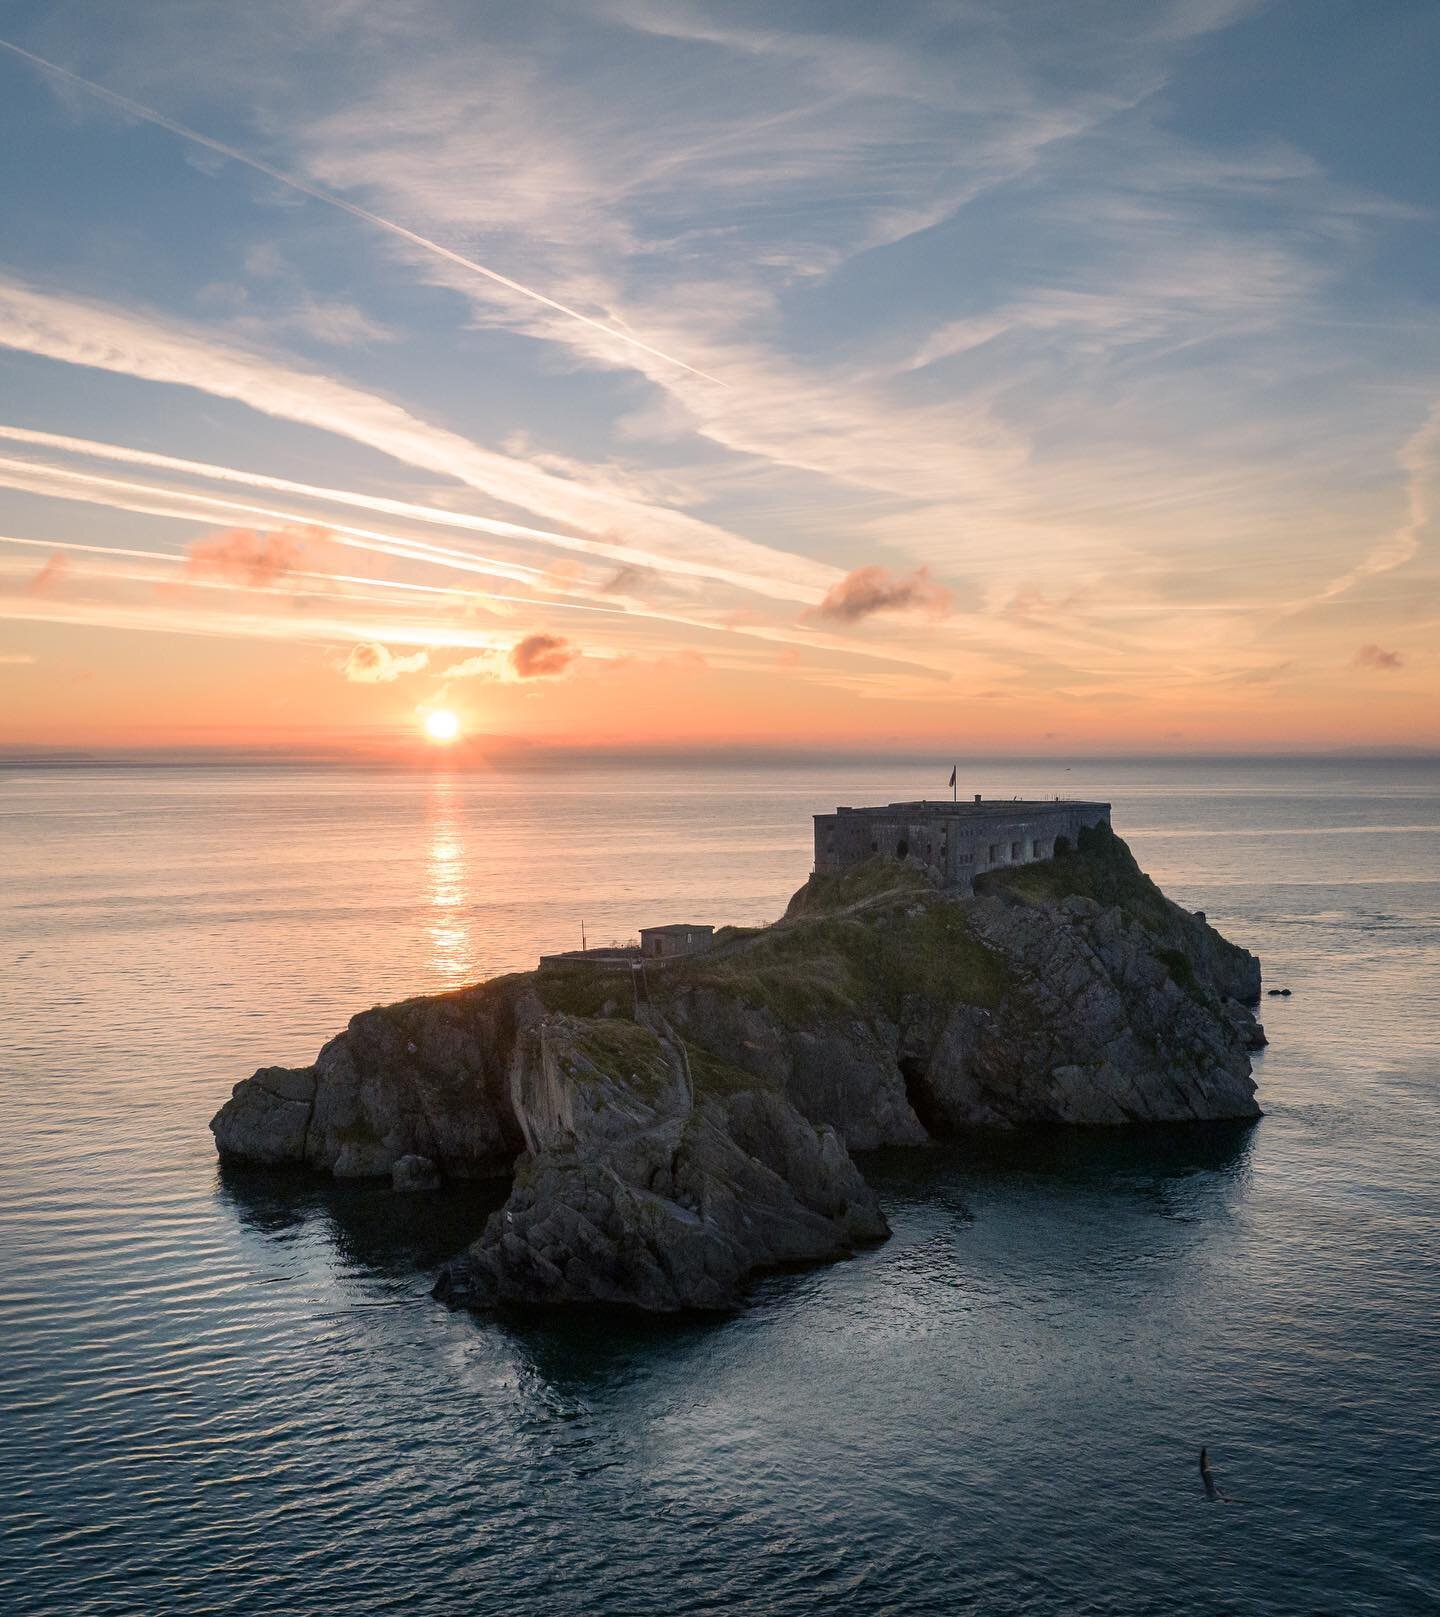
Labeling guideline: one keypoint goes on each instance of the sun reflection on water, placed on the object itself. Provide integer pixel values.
(448, 880)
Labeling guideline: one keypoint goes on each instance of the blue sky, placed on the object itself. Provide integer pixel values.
(1056, 374)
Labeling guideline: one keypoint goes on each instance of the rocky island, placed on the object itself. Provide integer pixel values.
(673, 1127)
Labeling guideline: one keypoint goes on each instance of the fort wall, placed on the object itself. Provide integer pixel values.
(958, 841)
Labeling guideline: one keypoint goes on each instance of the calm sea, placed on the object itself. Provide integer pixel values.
(229, 1393)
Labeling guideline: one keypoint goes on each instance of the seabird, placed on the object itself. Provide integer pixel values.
(1207, 1476)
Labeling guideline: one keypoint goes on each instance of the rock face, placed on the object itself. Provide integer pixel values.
(667, 1142)
(1103, 1026)
(634, 1190)
(422, 1078)
(267, 1117)
(837, 1069)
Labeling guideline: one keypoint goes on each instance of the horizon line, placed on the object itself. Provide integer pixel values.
(505, 753)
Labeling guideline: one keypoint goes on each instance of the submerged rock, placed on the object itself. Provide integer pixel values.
(414, 1173)
(670, 1139)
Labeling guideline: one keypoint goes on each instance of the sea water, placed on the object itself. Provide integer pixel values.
(231, 1392)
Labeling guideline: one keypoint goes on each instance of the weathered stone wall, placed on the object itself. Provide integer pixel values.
(957, 844)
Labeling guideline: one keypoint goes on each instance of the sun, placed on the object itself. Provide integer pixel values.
(441, 725)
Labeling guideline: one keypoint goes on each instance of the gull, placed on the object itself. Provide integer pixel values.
(1207, 1476)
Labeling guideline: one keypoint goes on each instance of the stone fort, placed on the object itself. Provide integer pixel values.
(958, 840)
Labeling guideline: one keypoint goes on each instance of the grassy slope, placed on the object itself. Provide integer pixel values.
(1101, 867)
(626, 1052)
(856, 942)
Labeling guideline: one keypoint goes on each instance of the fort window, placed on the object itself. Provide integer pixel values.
(1015, 851)
(902, 848)
(994, 858)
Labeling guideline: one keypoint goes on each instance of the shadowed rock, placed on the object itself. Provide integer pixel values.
(634, 1192)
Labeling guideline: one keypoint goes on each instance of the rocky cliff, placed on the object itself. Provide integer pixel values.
(668, 1144)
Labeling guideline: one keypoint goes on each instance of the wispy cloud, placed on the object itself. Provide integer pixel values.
(134, 109)
(49, 576)
(374, 664)
(1419, 460)
(80, 332)
(482, 665)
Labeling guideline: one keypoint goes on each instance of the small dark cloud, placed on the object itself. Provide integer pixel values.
(869, 590)
(625, 580)
(258, 560)
(1373, 656)
(542, 656)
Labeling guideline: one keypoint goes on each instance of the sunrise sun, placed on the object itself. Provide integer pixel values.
(441, 725)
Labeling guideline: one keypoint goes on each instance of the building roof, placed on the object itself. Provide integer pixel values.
(990, 808)
(675, 929)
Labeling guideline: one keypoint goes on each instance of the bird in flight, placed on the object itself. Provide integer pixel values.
(1207, 1476)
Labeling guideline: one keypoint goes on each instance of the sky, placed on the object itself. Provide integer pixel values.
(1031, 375)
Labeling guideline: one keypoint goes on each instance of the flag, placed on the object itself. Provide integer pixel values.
(951, 781)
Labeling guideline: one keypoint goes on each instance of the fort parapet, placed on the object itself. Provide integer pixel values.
(958, 840)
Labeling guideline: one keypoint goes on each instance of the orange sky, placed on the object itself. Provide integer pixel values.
(98, 689)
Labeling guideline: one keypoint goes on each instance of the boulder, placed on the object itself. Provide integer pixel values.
(267, 1117)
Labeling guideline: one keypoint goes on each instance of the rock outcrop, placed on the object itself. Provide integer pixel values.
(425, 1078)
(671, 1138)
(636, 1190)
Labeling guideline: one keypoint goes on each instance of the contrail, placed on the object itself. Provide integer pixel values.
(381, 584)
(149, 115)
(626, 555)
